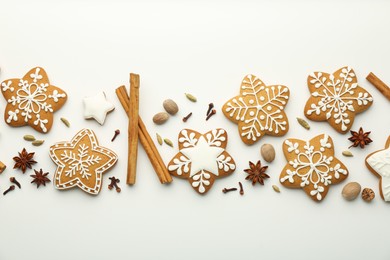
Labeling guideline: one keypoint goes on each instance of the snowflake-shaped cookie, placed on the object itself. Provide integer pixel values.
(31, 100)
(81, 162)
(202, 158)
(336, 98)
(312, 166)
(258, 110)
(379, 163)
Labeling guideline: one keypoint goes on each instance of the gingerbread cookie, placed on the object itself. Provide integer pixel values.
(202, 158)
(81, 162)
(258, 110)
(32, 100)
(312, 166)
(336, 98)
(379, 164)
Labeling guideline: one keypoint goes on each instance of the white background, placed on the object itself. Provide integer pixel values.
(204, 48)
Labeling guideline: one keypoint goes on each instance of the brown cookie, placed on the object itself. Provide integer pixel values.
(336, 98)
(202, 158)
(312, 166)
(379, 164)
(81, 162)
(258, 110)
(32, 100)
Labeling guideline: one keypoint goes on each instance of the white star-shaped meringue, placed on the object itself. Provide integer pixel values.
(206, 157)
(97, 107)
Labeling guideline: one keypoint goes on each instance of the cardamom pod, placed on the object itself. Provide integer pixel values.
(191, 97)
(65, 121)
(168, 142)
(159, 139)
(276, 188)
(347, 153)
(303, 123)
(38, 142)
(29, 138)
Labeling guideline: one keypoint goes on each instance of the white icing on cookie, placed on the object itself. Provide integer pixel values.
(97, 107)
(312, 166)
(30, 99)
(337, 96)
(380, 163)
(202, 157)
(256, 107)
(74, 168)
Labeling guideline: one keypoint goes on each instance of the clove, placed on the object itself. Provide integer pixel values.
(12, 187)
(116, 133)
(13, 180)
(226, 190)
(213, 112)
(241, 188)
(211, 106)
(186, 117)
(114, 183)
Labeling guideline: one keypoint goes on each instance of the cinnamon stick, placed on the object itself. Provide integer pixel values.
(145, 140)
(133, 129)
(379, 84)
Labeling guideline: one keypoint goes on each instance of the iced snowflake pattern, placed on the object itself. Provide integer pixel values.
(258, 110)
(202, 158)
(312, 166)
(79, 163)
(28, 97)
(336, 98)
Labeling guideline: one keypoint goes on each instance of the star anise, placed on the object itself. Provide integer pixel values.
(24, 160)
(256, 173)
(40, 178)
(360, 138)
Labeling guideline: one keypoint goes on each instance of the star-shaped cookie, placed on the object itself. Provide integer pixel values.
(202, 158)
(336, 98)
(379, 164)
(312, 166)
(81, 162)
(97, 107)
(32, 100)
(258, 110)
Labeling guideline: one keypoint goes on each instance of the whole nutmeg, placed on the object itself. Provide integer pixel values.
(368, 194)
(351, 190)
(160, 118)
(268, 152)
(170, 106)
